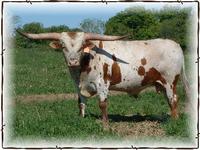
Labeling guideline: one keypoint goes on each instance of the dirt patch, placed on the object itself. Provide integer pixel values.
(46, 97)
(137, 129)
(62, 96)
(53, 97)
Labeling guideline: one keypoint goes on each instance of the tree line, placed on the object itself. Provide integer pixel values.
(139, 23)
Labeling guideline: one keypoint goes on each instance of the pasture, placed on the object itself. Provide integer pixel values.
(43, 71)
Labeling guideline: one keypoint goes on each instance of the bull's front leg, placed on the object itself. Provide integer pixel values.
(81, 105)
(102, 92)
(75, 74)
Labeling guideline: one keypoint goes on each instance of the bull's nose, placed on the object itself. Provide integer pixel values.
(72, 59)
(75, 62)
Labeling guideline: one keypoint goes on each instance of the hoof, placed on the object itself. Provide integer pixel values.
(174, 115)
(105, 124)
(105, 118)
(81, 115)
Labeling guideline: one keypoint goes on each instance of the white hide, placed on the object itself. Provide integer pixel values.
(164, 55)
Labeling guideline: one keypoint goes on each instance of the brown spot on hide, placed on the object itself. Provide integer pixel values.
(115, 76)
(72, 34)
(95, 68)
(85, 61)
(145, 43)
(101, 44)
(152, 76)
(99, 58)
(141, 71)
(106, 76)
(143, 61)
(175, 83)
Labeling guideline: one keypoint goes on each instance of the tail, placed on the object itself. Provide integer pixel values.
(185, 81)
(189, 106)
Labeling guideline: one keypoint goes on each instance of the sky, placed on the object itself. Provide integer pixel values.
(72, 13)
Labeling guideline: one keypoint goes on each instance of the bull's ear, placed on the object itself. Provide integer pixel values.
(55, 44)
(87, 46)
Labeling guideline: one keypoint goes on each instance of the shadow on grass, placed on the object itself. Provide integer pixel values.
(135, 118)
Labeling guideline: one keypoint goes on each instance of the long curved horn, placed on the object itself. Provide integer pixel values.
(94, 36)
(41, 36)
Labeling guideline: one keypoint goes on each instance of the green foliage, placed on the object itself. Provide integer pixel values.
(76, 30)
(33, 27)
(174, 24)
(169, 22)
(93, 25)
(138, 22)
(61, 28)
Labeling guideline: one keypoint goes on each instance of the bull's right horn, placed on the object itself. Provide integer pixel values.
(94, 36)
(41, 36)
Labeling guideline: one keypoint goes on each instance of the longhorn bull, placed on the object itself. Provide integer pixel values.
(99, 63)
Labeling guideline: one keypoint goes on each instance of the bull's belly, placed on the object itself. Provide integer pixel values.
(134, 89)
(130, 85)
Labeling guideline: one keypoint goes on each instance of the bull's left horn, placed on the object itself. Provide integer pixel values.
(94, 36)
(41, 36)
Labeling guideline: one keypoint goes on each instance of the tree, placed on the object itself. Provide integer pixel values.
(60, 28)
(93, 25)
(34, 27)
(169, 22)
(174, 23)
(135, 21)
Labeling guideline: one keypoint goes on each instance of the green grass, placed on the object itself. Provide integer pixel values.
(60, 118)
(55, 120)
(43, 71)
(40, 71)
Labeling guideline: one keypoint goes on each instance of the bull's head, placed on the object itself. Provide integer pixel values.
(72, 43)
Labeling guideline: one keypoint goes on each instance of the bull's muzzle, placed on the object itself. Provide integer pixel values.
(73, 62)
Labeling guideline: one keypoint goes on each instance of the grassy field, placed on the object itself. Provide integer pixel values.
(43, 71)
(40, 71)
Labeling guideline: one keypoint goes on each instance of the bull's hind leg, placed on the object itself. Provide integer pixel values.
(103, 106)
(172, 99)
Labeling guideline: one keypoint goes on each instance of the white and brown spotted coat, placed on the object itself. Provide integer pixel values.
(155, 62)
